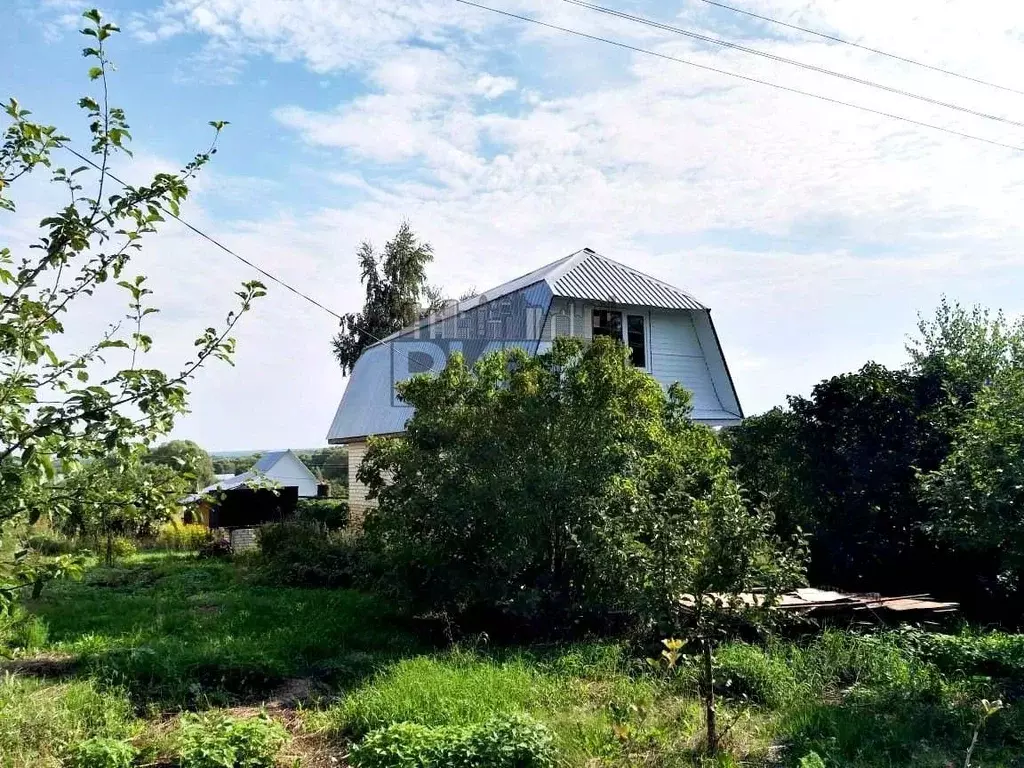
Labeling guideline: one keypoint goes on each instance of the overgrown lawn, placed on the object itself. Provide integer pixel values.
(123, 652)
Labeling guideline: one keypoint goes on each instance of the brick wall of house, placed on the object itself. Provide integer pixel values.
(358, 504)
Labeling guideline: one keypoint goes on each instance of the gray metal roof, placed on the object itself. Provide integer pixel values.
(588, 275)
(585, 274)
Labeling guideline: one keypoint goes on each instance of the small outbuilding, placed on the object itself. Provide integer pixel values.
(267, 492)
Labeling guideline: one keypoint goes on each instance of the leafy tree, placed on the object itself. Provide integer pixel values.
(185, 456)
(846, 462)
(843, 465)
(330, 465)
(59, 412)
(550, 488)
(118, 496)
(698, 538)
(505, 491)
(728, 563)
(964, 349)
(396, 287)
(978, 492)
(234, 465)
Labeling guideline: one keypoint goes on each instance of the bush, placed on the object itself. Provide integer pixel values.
(487, 510)
(515, 741)
(102, 752)
(50, 544)
(305, 554)
(331, 513)
(123, 548)
(993, 654)
(180, 537)
(215, 740)
(215, 547)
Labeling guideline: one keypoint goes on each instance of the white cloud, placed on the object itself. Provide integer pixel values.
(491, 87)
(816, 232)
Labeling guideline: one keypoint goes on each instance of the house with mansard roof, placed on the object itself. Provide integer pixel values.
(669, 333)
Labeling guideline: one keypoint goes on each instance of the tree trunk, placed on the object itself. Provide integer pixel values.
(710, 714)
(110, 549)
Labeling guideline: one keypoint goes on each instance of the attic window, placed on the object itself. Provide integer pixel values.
(608, 322)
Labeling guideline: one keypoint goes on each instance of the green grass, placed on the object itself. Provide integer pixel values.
(178, 632)
(122, 652)
(41, 721)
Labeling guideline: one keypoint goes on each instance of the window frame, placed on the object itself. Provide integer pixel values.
(626, 313)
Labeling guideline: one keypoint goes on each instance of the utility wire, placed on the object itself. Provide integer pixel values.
(835, 39)
(247, 262)
(738, 76)
(792, 62)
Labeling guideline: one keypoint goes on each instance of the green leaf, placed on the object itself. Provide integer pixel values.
(95, 73)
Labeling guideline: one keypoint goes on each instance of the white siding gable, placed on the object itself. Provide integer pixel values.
(289, 471)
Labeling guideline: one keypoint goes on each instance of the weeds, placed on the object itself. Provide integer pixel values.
(40, 722)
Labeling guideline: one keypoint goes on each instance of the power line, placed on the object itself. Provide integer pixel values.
(229, 251)
(835, 39)
(738, 76)
(792, 62)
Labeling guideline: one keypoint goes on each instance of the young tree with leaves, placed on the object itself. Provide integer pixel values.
(711, 563)
(59, 412)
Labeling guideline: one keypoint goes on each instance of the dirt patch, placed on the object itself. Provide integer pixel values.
(311, 750)
(295, 693)
(47, 665)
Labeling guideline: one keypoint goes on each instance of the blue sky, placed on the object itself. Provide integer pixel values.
(816, 233)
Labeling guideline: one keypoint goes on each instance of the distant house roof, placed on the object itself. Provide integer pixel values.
(369, 405)
(262, 469)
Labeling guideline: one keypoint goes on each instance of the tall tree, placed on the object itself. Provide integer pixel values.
(846, 462)
(58, 412)
(396, 291)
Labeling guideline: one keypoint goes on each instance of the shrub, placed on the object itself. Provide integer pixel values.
(103, 752)
(306, 554)
(215, 547)
(331, 513)
(516, 741)
(50, 544)
(995, 654)
(215, 740)
(183, 537)
(486, 506)
(123, 548)
(811, 760)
